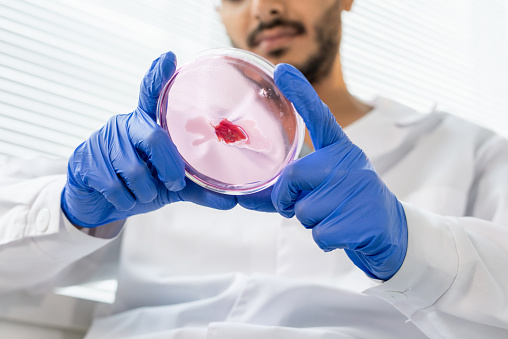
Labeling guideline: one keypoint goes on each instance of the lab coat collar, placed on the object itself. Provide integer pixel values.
(389, 111)
(384, 128)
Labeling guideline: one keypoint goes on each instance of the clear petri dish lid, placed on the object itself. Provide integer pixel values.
(232, 126)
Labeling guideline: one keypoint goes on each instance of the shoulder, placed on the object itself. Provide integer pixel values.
(458, 138)
(480, 138)
(440, 125)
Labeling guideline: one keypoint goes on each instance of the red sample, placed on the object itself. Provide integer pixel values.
(228, 132)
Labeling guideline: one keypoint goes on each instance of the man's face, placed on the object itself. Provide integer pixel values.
(304, 33)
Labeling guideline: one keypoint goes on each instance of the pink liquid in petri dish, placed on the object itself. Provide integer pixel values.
(230, 123)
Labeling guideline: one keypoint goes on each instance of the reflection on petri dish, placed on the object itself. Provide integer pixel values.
(231, 124)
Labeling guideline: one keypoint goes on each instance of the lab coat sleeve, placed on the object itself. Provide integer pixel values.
(36, 240)
(453, 282)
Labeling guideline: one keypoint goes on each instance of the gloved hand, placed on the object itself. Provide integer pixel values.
(336, 191)
(260, 201)
(131, 166)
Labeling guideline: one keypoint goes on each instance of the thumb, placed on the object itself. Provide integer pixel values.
(323, 128)
(158, 75)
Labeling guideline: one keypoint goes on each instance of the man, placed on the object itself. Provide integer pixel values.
(425, 244)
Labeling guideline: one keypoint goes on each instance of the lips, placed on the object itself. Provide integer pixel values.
(275, 34)
(275, 38)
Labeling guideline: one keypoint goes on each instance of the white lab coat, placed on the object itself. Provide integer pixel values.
(192, 272)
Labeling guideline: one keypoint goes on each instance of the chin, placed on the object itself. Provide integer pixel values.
(277, 56)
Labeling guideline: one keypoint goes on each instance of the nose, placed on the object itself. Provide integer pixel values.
(267, 10)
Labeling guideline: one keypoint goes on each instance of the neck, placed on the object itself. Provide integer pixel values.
(334, 93)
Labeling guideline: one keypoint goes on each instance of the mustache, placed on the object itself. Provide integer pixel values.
(252, 37)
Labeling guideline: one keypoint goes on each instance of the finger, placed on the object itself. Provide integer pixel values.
(360, 262)
(155, 79)
(346, 227)
(198, 195)
(259, 201)
(336, 190)
(131, 168)
(155, 144)
(117, 193)
(305, 174)
(329, 235)
(104, 178)
(323, 128)
(313, 207)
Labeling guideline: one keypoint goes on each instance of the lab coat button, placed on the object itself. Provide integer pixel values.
(42, 221)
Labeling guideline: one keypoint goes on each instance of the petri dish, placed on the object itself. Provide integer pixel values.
(232, 126)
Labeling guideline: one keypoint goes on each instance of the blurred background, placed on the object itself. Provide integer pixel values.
(68, 65)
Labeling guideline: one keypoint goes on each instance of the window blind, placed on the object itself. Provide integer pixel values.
(451, 55)
(66, 66)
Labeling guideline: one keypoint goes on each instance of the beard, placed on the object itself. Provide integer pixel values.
(328, 32)
(328, 35)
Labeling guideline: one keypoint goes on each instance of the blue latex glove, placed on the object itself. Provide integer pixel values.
(131, 166)
(259, 201)
(336, 191)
